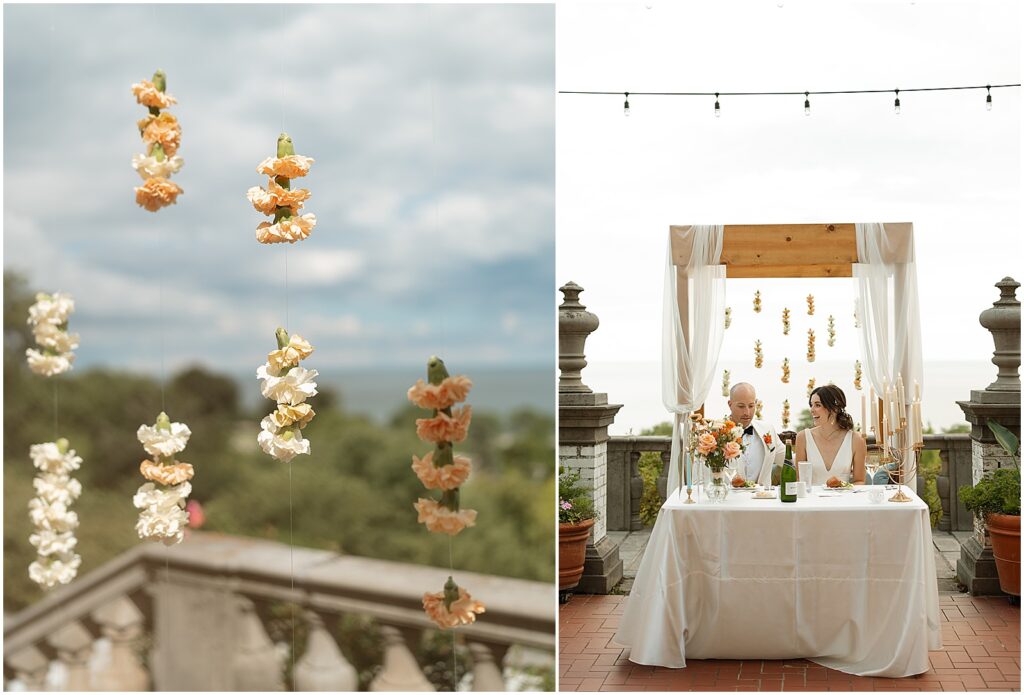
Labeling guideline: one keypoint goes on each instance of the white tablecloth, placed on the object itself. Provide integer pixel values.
(843, 582)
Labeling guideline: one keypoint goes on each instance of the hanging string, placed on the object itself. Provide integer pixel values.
(56, 409)
(291, 566)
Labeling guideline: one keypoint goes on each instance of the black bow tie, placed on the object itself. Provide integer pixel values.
(749, 430)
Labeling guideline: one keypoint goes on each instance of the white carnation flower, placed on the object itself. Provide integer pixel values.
(47, 457)
(159, 442)
(148, 166)
(277, 446)
(57, 487)
(49, 365)
(51, 336)
(49, 542)
(292, 388)
(51, 516)
(163, 515)
(54, 309)
(48, 572)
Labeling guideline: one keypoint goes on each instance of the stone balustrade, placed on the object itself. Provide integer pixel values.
(626, 488)
(195, 617)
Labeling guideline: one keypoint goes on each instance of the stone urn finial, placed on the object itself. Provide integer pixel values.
(575, 323)
(1002, 319)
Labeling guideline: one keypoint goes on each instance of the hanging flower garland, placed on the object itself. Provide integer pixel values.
(758, 405)
(785, 322)
(785, 370)
(758, 355)
(810, 386)
(49, 320)
(290, 385)
(442, 470)
(54, 538)
(725, 382)
(757, 301)
(728, 316)
(831, 331)
(279, 200)
(785, 414)
(810, 344)
(856, 312)
(162, 515)
(857, 375)
(161, 134)
(810, 305)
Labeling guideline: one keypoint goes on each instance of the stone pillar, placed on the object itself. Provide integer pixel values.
(323, 667)
(583, 419)
(999, 401)
(400, 671)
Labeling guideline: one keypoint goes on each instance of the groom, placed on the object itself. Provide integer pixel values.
(762, 447)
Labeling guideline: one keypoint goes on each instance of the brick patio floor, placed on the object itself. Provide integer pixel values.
(980, 637)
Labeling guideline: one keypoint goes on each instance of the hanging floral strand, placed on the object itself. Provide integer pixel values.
(757, 301)
(831, 331)
(785, 371)
(279, 200)
(728, 316)
(441, 469)
(857, 375)
(49, 320)
(725, 382)
(810, 386)
(785, 414)
(54, 538)
(161, 134)
(758, 355)
(285, 382)
(162, 515)
(810, 305)
(758, 405)
(856, 312)
(810, 344)
(785, 322)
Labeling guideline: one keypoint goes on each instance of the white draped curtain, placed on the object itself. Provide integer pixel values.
(693, 324)
(887, 305)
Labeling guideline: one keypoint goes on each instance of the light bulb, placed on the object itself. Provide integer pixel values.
(718, 109)
(807, 107)
(625, 108)
(896, 105)
(988, 98)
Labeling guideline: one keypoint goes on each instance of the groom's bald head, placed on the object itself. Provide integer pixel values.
(742, 403)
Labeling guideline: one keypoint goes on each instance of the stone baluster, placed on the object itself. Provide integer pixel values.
(401, 672)
(487, 667)
(122, 623)
(636, 491)
(666, 461)
(256, 664)
(30, 667)
(323, 667)
(74, 649)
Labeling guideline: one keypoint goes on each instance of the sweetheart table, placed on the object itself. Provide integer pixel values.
(839, 580)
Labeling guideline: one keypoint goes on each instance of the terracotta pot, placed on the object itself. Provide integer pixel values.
(572, 551)
(1004, 530)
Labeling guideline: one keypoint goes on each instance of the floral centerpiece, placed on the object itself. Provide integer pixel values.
(716, 444)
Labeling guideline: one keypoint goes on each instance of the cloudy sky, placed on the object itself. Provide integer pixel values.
(945, 163)
(433, 184)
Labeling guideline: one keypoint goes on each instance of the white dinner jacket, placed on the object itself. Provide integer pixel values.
(773, 453)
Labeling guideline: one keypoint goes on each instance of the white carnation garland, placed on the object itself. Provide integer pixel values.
(49, 320)
(285, 382)
(54, 538)
(162, 515)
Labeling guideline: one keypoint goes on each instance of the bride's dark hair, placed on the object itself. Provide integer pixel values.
(834, 401)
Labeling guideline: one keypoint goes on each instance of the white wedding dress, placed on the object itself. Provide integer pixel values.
(841, 466)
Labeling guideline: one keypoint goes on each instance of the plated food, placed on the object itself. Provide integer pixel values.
(835, 483)
(740, 483)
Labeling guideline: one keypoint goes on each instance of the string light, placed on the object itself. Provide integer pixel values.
(897, 104)
(988, 97)
(718, 109)
(807, 103)
(626, 107)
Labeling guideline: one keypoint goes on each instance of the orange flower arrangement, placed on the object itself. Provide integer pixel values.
(278, 198)
(161, 134)
(716, 442)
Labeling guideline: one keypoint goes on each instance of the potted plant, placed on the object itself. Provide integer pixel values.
(576, 516)
(996, 499)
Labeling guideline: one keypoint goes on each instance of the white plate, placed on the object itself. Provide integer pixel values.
(825, 488)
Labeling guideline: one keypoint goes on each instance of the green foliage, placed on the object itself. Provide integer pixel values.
(804, 420)
(1007, 439)
(574, 502)
(997, 493)
(928, 467)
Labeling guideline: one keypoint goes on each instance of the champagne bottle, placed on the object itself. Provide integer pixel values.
(788, 483)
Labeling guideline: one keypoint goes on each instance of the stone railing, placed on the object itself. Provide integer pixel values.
(626, 488)
(194, 617)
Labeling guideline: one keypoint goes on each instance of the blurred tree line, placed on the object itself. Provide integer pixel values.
(353, 495)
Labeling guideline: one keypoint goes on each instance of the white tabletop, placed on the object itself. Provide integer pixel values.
(821, 499)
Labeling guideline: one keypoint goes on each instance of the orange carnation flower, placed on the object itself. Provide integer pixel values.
(292, 229)
(453, 389)
(167, 474)
(442, 428)
(165, 131)
(290, 167)
(441, 477)
(463, 611)
(267, 201)
(147, 94)
(157, 192)
(440, 519)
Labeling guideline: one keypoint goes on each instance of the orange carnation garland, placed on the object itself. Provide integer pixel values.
(278, 198)
(161, 134)
(442, 470)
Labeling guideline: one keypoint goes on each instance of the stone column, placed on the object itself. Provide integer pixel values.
(999, 401)
(583, 419)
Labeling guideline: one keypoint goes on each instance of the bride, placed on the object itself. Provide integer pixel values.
(832, 439)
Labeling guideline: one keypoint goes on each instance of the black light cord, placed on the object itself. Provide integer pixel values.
(805, 93)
